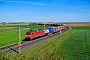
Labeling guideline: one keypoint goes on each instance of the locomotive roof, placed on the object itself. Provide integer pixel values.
(33, 31)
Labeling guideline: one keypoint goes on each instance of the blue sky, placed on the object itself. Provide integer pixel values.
(45, 10)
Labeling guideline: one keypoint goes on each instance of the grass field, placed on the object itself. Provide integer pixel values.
(82, 28)
(77, 47)
(46, 51)
(31, 26)
(9, 34)
(72, 45)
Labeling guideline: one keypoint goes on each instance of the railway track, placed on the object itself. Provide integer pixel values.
(14, 49)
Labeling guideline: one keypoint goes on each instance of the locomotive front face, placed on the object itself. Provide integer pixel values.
(28, 35)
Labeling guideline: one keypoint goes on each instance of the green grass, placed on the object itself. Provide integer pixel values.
(72, 45)
(8, 35)
(46, 51)
(7, 38)
(77, 47)
(31, 26)
(82, 28)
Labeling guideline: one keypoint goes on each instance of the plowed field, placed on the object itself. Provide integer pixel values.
(82, 24)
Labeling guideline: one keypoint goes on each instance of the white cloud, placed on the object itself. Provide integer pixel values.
(5, 8)
(33, 3)
(72, 6)
(68, 14)
(14, 14)
(85, 9)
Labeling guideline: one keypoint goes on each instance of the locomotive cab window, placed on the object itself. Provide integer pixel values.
(27, 33)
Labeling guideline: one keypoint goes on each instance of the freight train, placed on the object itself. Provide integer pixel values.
(34, 34)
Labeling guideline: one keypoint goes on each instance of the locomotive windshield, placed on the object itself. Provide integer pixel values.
(27, 33)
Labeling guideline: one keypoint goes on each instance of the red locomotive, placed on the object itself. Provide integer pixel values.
(34, 34)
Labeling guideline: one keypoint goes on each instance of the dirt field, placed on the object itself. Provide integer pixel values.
(82, 24)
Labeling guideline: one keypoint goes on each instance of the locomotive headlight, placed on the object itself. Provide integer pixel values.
(27, 35)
